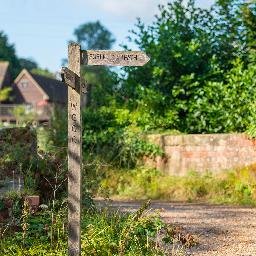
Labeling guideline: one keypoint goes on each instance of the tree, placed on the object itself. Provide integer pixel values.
(229, 33)
(42, 72)
(7, 53)
(100, 80)
(93, 35)
(249, 19)
(192, 52)
(28, 64)
(179, 43)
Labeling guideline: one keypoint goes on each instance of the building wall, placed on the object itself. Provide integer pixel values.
(27, 92)
(213, 152)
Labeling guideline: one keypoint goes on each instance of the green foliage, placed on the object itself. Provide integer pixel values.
(107, 134)
(24, 115)
(249, 20)
(17, 154)
(12, 201)
(224, 106)
(28, 64)
(7, 53)
(101, 81)
(5, 94)
(43, 172)
(199, 79)
(54, 138)
(42, 72)
(94, 36)
(231, 187)
(104, 232)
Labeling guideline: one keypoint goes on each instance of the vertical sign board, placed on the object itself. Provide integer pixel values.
(71, 77)
(74, 152)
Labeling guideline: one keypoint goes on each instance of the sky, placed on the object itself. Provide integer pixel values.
(40, 29)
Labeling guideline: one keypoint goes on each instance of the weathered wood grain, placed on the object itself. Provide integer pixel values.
(74, 152)
(114, 58)
(69, 77)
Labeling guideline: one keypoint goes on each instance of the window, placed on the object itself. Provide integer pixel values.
(24, 83)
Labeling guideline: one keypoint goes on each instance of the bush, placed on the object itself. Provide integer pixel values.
(109, 135)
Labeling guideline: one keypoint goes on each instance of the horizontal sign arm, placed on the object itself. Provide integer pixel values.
(114, 58)
(71, 79)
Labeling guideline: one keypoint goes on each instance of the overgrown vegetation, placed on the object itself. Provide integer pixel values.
(236, 187)
(200, 79)
(104, 232)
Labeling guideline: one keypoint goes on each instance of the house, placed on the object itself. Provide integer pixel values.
(5, 77)
(37, 90)
(36, 93)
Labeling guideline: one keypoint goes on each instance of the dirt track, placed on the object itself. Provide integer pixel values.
(222, 230)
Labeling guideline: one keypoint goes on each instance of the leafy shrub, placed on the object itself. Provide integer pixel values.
(109, 135)
(18, 153)
(24, 115)
(54, 139)
(200, 78)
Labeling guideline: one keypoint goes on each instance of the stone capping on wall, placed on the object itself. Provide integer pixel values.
(202, 152)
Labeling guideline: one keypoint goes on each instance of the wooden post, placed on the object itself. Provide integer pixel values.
(74, 153)
(71, 77)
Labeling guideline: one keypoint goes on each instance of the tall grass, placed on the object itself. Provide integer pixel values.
(230, 187)
(104, 232)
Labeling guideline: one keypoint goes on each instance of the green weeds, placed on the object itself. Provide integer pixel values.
(104, 232)
(231, 187)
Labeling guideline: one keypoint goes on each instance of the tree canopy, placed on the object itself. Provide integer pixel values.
(199, 71)
(28, 64)
(94, 36)
(7, 53)
(100, 80)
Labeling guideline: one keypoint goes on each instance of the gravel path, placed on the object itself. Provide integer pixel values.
(221, 230)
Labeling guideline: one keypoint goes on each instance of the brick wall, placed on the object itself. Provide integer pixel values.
(214, 152)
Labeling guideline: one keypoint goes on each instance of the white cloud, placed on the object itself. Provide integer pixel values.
(128, 9)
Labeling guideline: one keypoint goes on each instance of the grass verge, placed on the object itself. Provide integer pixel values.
(104, 232)
(236, 187)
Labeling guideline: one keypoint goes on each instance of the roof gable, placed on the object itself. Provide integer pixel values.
(52, 89)
(56, 90)
(25, 73)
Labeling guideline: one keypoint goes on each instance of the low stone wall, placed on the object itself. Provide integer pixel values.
(213, 152)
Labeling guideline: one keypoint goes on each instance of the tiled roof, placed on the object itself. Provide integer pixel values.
(3, 72)
(55, 89)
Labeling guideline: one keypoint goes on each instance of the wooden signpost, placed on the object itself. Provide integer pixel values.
(114, 58)
(72, 78)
